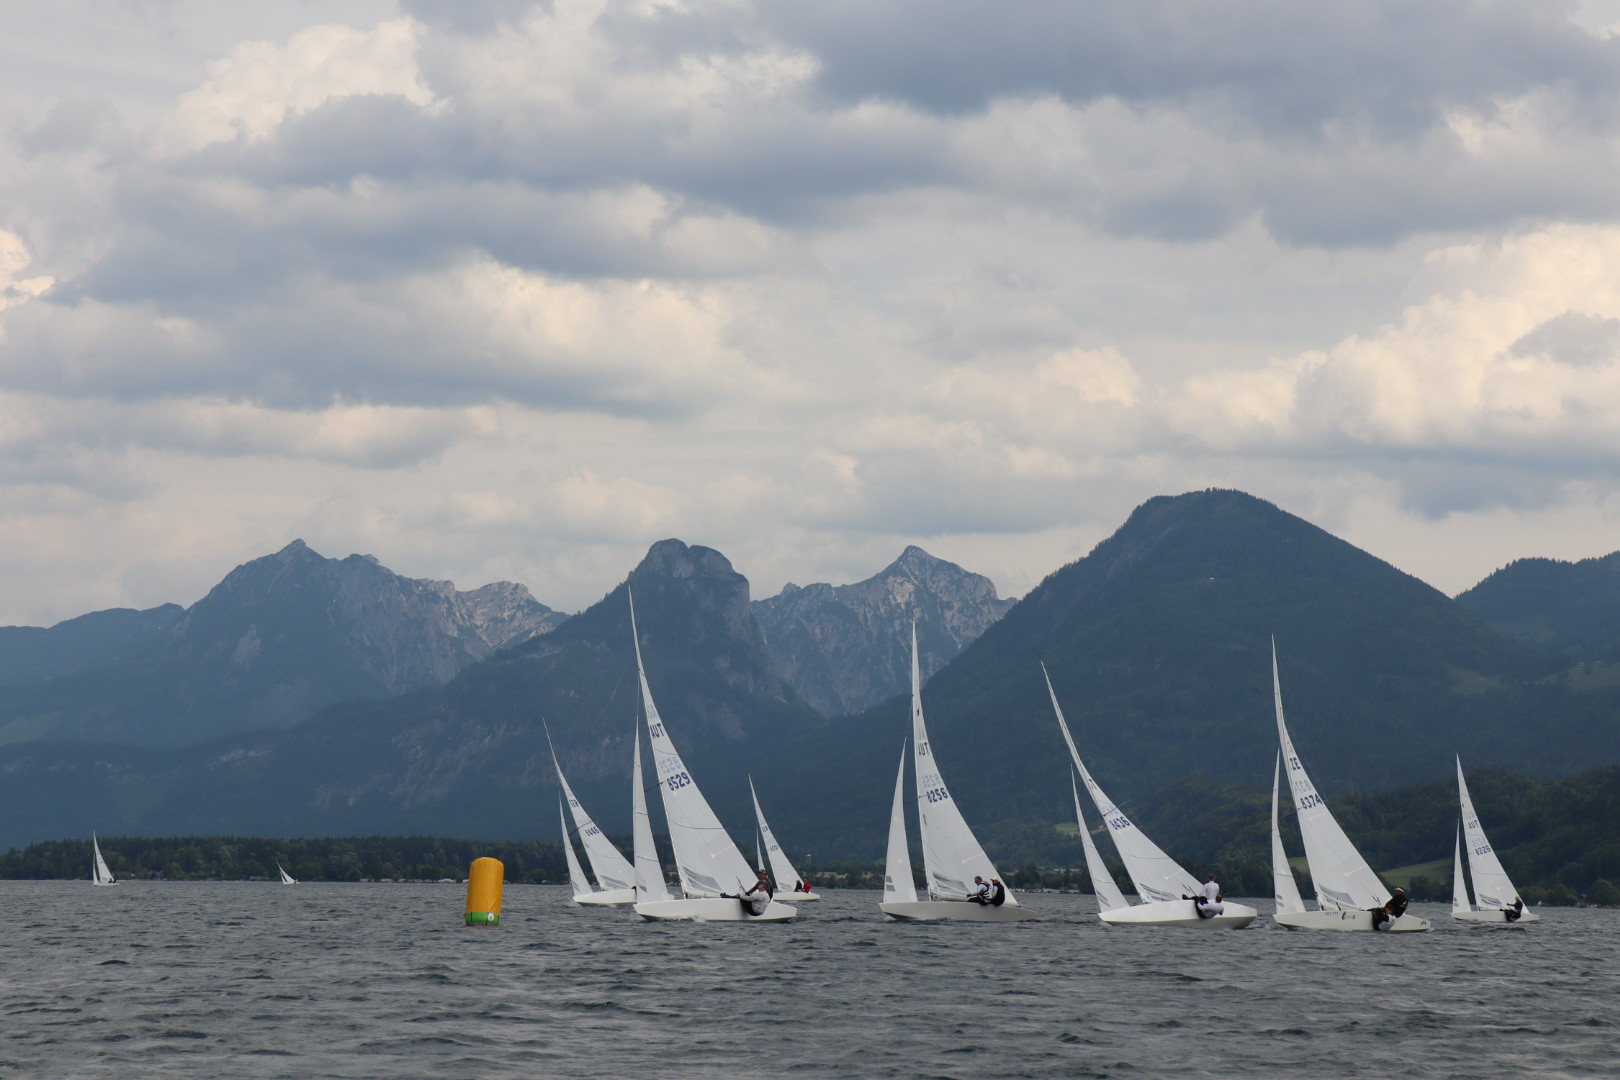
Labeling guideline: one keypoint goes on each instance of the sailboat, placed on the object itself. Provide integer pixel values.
(713, 872)
(1347, 890)
(1494, 894)
(782, 871)
(286, 878)
(615, 877)
(99, 874)
(952, 856)
(1161, 883)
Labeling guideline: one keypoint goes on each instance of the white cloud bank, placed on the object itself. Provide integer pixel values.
(516, 292)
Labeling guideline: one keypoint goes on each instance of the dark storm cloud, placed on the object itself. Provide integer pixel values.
(1295, 67)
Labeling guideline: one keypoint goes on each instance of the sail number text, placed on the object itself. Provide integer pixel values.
(657, 730)
(677, 781)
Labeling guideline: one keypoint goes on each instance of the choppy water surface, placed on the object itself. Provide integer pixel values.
(321, 980)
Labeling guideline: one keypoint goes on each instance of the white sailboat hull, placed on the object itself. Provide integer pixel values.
(1180, 913)
(1346, 920)
(711, 909)
(1494, 915)
(606, 898)
(955, 911)
(104, 884)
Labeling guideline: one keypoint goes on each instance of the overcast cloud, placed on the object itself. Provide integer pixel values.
(516, 291)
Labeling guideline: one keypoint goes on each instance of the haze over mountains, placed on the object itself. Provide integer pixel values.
(1157, 642)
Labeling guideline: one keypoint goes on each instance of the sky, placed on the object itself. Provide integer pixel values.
(514, 292)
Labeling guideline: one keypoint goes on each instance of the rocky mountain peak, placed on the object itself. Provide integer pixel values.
(846, 647)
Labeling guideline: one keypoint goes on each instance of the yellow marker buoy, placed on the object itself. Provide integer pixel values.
(484, 882)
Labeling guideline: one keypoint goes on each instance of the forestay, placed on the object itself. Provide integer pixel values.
(952, 857)
(1342, 878)
(576, 876)
(898, 885)
(1103, 885)
(708, 860)
(649, 871)
(1155, 875)
(1282, 875)
(781, 870)
(1492, 889)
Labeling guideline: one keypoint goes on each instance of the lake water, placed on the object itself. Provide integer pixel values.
(222, 980)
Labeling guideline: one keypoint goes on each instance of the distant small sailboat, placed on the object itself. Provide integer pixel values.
(1495, 898)
(286, 878)
(786, 878)
(952, 856)
(99, 873)
(1161, 882)
(714, 873)
(1347, 890)
(615, 877)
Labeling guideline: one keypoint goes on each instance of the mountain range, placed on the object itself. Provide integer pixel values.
(1158, 644)
(274, 641)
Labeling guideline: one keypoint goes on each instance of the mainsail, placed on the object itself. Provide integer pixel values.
(1155, 875)
(1492, 889)
(708, 860)
(952, 857)
(1342, 878)
(99, 872)
(612, 870)
(781, 870)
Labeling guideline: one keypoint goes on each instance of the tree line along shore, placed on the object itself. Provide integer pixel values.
(1560, 839)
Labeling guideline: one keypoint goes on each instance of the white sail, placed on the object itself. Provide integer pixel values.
(99, 873)
(1103, 885)
(782, 871)
(1492, 889)
(1155, 875)
(1459, 888)
(611, 869)
(952, 857)
(1282, 875)
(286, 878)
(576, 876)
(1342, 878)
(707, 858)
(650, 883)
(898, 885)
